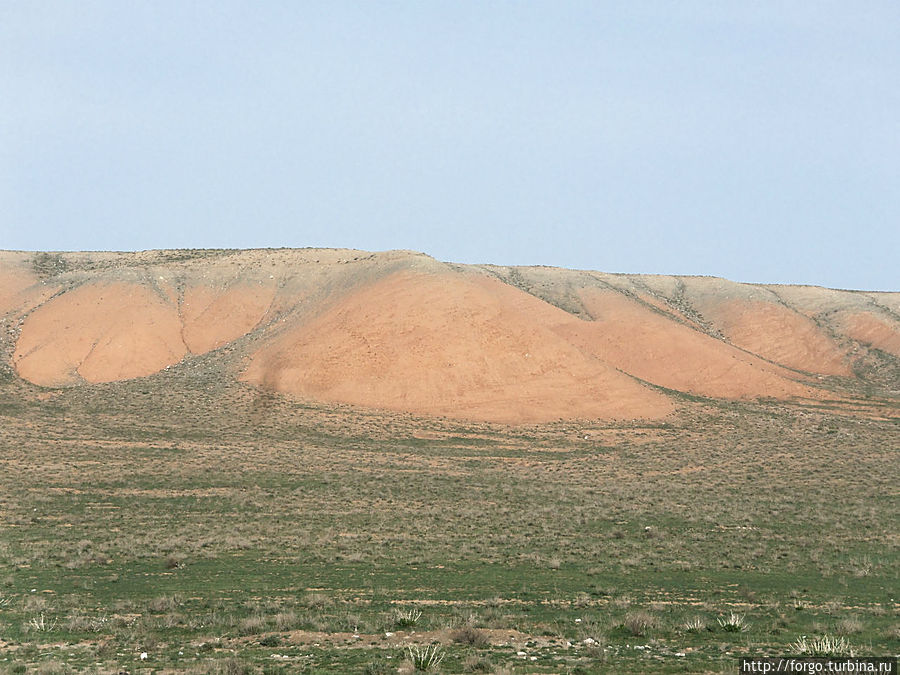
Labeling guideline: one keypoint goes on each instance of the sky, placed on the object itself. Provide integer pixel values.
(759, 141)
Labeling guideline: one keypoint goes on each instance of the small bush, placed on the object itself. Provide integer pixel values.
(285, 620)
(41, 625)
(849, 626)
(469, 635)
(252, 625)
(315, 601)
(640, 623)
(164, 603)
(477, 663)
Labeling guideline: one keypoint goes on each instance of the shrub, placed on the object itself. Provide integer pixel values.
(315, 601)
(477, 663)
(469, 635)
(848, 626)
(252, 625)
(639, 623)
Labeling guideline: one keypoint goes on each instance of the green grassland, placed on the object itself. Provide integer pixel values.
(218, 530)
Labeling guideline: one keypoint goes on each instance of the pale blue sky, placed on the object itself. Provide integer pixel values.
(759, 141)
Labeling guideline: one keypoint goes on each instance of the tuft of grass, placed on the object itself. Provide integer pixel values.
(695, 625)
(734, 623)
(639, 623)
(849, 626)
(425, 658)
(53, 668)
(79, 624)
(824, 645)
(40, 624)
(229, 666)
(407, 618)
(477, 663)
(315, 601)
(252, 625)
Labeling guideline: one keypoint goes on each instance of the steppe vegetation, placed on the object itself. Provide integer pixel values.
(265, 462)
(186, 523)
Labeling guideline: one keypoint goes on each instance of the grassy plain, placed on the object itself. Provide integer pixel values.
(213, 529)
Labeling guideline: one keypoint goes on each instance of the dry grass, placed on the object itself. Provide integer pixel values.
(469, 635)
(640, 623)
(334, 522)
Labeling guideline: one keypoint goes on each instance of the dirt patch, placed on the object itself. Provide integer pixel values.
(389, 639)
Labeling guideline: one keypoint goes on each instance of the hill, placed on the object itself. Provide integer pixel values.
(401, 331)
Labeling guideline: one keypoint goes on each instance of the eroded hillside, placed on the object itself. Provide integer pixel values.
(401, 331)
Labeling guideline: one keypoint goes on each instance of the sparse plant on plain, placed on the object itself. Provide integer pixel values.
(639, 623)
(694, 625)
(824, 645)
(425, 658)
(407, 618)
(734, 623)
(40, 624)
(469, 635)
(848, 626)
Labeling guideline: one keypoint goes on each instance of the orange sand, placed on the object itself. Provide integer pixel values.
(653, 348)
(872, 329)
(779, 334)
(456, 345)
(101, 333)
(12, 283)
(213, 317)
